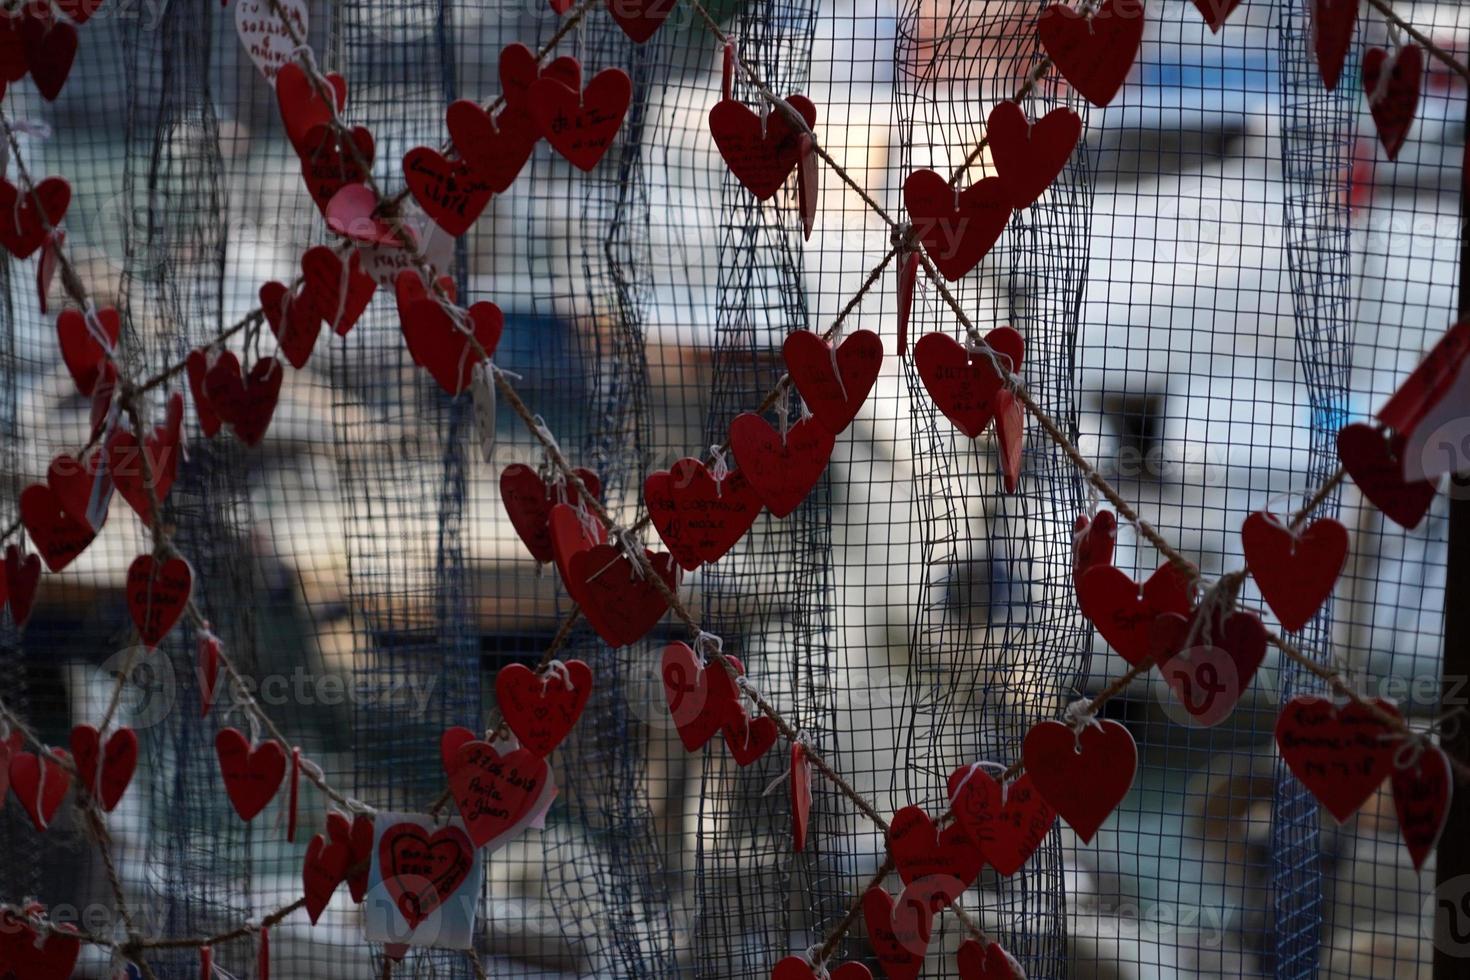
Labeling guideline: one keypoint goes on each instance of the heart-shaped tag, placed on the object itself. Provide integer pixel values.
(1333, 23)
(1391, 83)
(251, 774)
(329, 167)
(899, 934)
(197, 366)
(1341, 754)
(157, 595)
(1007, 826)
(834, 384)
(1295, 570)
(25, 215)
(294, 320)
(247, 403)
(265, 33)
(620, 602)
(1216, 12)
(528, 502)
(808, 189)
(519, 69)
(1124, 612)
(46, 268)
(698, 517)
(782, 470)
(1093, 541)
(798, 968)
(541, 710)
(1095, 53)
(421, 870)
(109, 780)
(450, 191)
(1208, 672)
(140, 483)
(989, 962)
(76, 482)
(302, 103)
(51, 48)
(52, 956)
(440, 341)
(572, 531)
(495, 149)
(39, 784)
(582, 126)
(498, 795)
(339, 292)
(1028, 156)
(1373, 460)
(964, 385)
(10, 746)
(958, 228)
(449, 744)
(946, 860)
(361, 839)
(324, 868)
(82, 349)
(1422, 786)
(747, 738)
(1082, 776)
(58, 536)
(206, 656)
(701, 699)
(640, 19)
(760, 151)
(22, 578)
(801, 795)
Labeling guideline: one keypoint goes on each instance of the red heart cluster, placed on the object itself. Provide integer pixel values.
(499, 795)
(34, 41)
(445, 340)
(38, 782)
(104, 770)
(760, 150)
(223, 394)
(528, 500)
(19, 583)
(343, 853)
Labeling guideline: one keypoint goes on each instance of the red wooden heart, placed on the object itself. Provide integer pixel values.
(1094, 53)
(441, 344)
(702, 700)
(26, 215)
(1123, 612)
(947, 858)
(51, 47)
(339, 292)
(294, 320)
(303, 105)
(908, 277)
(1421, 798)
(55, 958)
(1392, 86)
(958, 229)
(22, 578)
(246, 403)
(988, 962)
(572, 531)
(39, 784)
(519, 69)
(747, 738)
(898, 934)
(80, 11)
(541, 710)
(621, 604)
(251, 774)
(495, 150)
(1028, 156)
(13, 65)
(1430, 381)
(157, 596)
(808, 189)
(964, 385)
(449, 744)
(324, 868)
(327, 167)
(58, 536)
(801, 795)
(422, 870)
(1093, 542)
(1083, 777)
(1216, 12)
(82, 347)
(450, 191)
(497, 794)
(834, 384)
(1295, 572)
(109, 781)
(1372, 459)
(761, 153)
(782, 471)
(197, 366)
(1010, 436)
(132, 477)
(528, 502)
(699, 518)
(1208, 672)
(72, 482)
(640, 19)
(1341, 754)
(409, 288)
(1006, 832)
(798, 968)
(581, 127)
(1333, 23)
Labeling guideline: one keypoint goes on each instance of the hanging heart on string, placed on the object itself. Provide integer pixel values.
(247, 403)
(26, 215)
(783, 471)
(13, 65)
(541, 709)
(51, 957)
(640, 19)
(362, 853)
(1093, 53)
(450, 191)
(328, 166)
(761, 150)
(51, 48)
(898, 934)
(908, 277)
(701, 699)
(1341, 754)
(39, 785)
(1209, 671)
(519, 69)
(1295, 570)
(1124, 612)
(698, 517)
(22, 578)
(834, 384)
(988, 962)
(339, 293)
(1422, 786)
(82, 345)
(1373, 460)
(494, 149)
(50, 262)
(58, 536)
(1029, 156)
(572, 532)
(270, 30)
(134, 477)
(1216, 12)
(104, 771)
(1082, 776)
(1333, 23)
(1006, 832)
(947, 860)
(1093, 540)
(958, 229)
(1010, 436)
(964, 385)
(421, 870)
(294, 320)
(442, 345)
(197, 366)
(747, 738)
(620, 602)
(498, 795)
(252, 775)
(581, 126)
(302, 103)
(1391, 83)
(74, 484)
(528, 502)
(206, 665)
(158, 593)
(324, 868)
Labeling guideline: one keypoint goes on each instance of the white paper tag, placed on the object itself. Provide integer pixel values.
(482, 388)
(1440, 442)
(424, 884)
(264, 35)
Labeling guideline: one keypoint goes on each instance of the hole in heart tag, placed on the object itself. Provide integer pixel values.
(963, 384)
(542, 709)
(833, 383)
(957, 229)
(1295, 569)
(761, 150)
